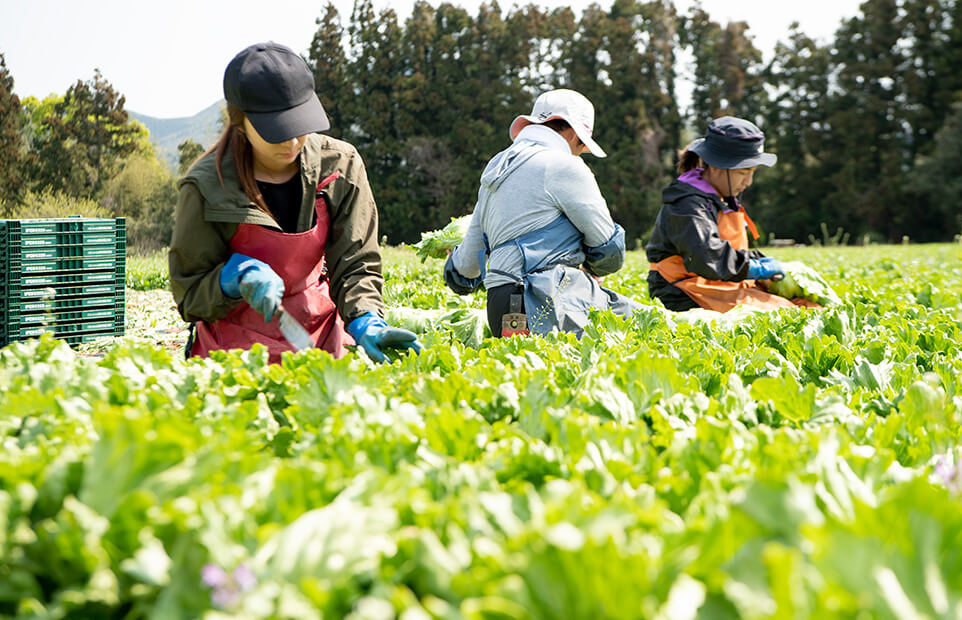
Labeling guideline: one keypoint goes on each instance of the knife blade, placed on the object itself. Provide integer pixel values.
(295, 333)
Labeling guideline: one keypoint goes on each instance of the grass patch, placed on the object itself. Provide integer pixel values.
(146, 272)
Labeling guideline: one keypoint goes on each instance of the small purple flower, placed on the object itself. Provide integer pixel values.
(213, 576)
(945, 471)
(227, 590)
(225, 597)
(950, 475)
(244, 578)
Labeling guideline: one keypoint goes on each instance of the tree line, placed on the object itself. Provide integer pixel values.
(867, 126)
(81, 154)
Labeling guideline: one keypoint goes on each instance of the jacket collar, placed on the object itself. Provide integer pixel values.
(544, 136)
(696, 179)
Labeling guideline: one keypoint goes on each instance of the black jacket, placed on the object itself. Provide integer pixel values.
(687, 225)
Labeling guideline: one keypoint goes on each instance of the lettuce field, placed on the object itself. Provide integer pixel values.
(794, 464)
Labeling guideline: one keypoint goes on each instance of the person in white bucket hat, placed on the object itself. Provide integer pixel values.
(541, 236)
(569, 106)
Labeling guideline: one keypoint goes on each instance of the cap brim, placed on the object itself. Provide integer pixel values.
(716, 160)
(302, 119)
(593, 147)
(520, 123)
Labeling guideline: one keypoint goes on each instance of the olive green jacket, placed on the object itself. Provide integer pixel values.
(208, 213)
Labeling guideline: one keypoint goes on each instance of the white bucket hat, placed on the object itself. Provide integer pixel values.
(568, 105)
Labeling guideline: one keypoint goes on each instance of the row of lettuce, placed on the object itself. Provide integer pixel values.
(751, 465)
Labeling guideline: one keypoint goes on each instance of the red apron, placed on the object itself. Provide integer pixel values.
(298, 259)
(720, 295)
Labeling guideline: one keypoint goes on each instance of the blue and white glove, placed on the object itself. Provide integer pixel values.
(764, 268)
(373, 334)
(255, 281)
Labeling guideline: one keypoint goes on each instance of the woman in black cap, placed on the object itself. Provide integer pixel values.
(276, 218)
(698, 249)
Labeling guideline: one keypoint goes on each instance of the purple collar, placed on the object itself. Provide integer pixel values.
(695, 179)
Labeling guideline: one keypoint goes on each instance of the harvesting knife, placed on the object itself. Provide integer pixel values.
(293, 331)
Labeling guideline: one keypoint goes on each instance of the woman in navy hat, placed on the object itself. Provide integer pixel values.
(277, 217)
(698, 249)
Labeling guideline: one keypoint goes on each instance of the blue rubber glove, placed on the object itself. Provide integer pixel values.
(373, 334)
(255, 281)
(764, 268)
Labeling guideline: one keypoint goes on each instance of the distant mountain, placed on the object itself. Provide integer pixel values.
(167, 133)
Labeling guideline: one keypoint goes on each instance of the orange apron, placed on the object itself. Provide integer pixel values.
(720, 295)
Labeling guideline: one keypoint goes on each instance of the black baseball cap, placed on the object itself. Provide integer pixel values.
(733, 143)
(274, 88)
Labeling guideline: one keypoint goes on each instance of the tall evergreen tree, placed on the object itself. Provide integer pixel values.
(552, 35)
(727, 69)
(637, 119)
(375, 66)
(495, 88)
(741, 69)
(951, 59)
(865, 154)
(13, 153)
(848, 122)
(430, 89)
(936, 182)
(787, 200)
(930, 76)
(328, 63)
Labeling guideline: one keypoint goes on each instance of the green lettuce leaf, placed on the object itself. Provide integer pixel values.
(802, 281)
(467, 325)
(437, 243)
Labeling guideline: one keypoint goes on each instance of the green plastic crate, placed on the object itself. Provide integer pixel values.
(91, 337)
(85, 338)
(12, 332)
(78, 238)
(12, 294)
(66, 244)
(91, 263)
(33, 331)
(15, 315)
(47, 226)
(75, 337)
(65, 279)
(65, 276)
(23, 255)
(57, 303)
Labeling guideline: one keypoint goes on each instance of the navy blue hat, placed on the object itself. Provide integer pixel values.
(274, 88)
(732, 143)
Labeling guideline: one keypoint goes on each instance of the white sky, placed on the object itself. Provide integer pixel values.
(168, 58)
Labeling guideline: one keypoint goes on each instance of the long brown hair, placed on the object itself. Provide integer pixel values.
(235, 140)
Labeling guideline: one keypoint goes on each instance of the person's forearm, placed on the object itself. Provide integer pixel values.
(353, 254)
(465, 258)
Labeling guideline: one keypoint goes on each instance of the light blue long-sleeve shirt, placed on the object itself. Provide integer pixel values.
(525, 188)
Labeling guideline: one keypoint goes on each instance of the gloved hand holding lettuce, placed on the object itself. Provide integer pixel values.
(803, 281)
(373, 335)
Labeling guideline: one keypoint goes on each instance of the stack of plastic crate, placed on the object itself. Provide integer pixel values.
(64, 276)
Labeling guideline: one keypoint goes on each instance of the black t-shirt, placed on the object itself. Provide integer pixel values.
(284, 201)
